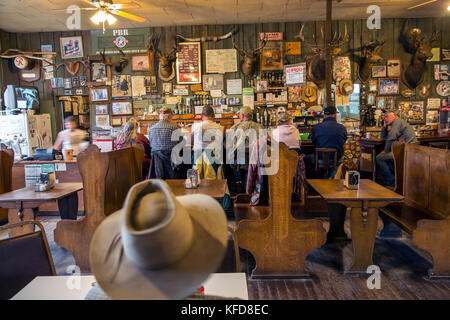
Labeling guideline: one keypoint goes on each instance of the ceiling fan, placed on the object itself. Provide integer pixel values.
(422, 4)
(106, 10)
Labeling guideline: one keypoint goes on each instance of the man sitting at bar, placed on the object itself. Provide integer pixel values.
(160, 136)
(394, 130)
(245, 142)
(328, 134)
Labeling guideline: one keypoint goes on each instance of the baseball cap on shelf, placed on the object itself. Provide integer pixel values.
(329, 110)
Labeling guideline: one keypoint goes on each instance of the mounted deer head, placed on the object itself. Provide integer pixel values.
(152, 47)
(412, 73)
(123, 62)
(248, 64)
(370, 55)
(166, 70)
(315, 65)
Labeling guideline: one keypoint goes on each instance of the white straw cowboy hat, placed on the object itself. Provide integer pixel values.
(158, 246)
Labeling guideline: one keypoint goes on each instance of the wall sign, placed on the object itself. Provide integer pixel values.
(221, 61)
(270, 36)
(295, 74)
(180, 90)
(272, 56)
(188, 63)
(445, 54)
(293, 48)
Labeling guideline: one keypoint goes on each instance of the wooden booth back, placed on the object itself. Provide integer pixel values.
(6, 164)
(107, 177)
(426, 179)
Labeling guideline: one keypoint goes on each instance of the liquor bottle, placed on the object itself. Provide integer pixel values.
(265, 118)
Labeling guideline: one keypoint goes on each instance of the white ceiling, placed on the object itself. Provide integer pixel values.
(38, 15)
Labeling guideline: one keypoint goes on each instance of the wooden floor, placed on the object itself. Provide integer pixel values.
(403, 266)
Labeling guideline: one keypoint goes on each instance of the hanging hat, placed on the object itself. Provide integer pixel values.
(158, 246)
(308, 93)
(346, 87)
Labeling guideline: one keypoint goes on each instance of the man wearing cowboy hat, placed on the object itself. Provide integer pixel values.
(158, 246)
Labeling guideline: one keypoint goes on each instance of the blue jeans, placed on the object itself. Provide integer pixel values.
(385, 164)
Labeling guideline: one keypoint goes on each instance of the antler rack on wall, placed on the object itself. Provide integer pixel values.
(208, 38)
(27, 54)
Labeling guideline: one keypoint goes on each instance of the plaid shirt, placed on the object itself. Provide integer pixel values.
(160, 136)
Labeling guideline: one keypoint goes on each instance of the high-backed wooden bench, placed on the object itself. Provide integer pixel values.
(425, 211)
(6, 164)
(278, 241)
(107, 177)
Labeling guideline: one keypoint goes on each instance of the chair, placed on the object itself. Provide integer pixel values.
(6, 164)
(23, 258)
(325, 165)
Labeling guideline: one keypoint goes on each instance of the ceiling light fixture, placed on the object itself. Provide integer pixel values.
(101, 16)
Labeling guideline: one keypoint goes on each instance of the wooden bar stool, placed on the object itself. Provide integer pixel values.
(324, 165)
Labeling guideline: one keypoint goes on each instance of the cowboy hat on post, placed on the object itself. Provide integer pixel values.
(308, 93)
(158, 246)
(346, 87)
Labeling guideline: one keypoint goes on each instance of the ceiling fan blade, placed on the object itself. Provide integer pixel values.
(95, 4)
(80, 9)
(422, 4)
(127, 15)
(118, 6)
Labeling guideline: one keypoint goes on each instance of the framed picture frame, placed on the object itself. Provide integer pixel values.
(116, 121)
(373, 85)
(121, 108)
(98, 72)
(271, 57)
(102, 120)
(393, 68)
(378, 71)
(121, 86)
(380, 101)
(138, 87)
(389, 103)
(71, 47)
(388, 86)
(412, 111)
(371, 99)
(101, 108)
(139, 62)
(99, 94)
(189, 66)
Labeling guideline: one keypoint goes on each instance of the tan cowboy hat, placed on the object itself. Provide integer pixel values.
(158, 246)
(346, 87)
(308, 93)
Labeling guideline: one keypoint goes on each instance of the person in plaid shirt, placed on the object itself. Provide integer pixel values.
(160, 136)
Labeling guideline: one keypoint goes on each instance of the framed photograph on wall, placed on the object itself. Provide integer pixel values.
(116, 121)
(380, 102)
(98, 71)
(378, 71)
(102, 121)
(393, 68)
(139, 62)
(373, 85)
(71, 47)
(97, 94)
(121, 86)
(101, 108)
(371, 99)
(388, 86)
(119, 108)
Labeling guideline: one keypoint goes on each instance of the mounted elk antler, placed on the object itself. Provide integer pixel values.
(209, 38)
(123, 61)
(14, 53)
(166, 69)
(248, 64)
(315, 65)
(370, 55)
(412, 73)
(152, 47)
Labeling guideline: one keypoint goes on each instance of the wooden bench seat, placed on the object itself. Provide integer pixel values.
(425, 213)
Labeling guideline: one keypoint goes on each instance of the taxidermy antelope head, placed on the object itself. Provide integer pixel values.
(370, 55)
(166, 70)
(152, 47)
(315, 65)
(123, 62)
(248, 64)
(412, 74)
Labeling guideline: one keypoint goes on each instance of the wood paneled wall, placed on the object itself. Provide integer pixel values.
(247, 38)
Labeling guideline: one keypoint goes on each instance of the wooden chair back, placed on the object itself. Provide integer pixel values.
(107, 177)
(279, 242)
(398, 152)
(327, 153)
(6, 164)
(24, 257)
(426, 179)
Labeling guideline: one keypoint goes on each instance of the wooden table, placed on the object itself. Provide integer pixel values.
(227, 285)
(27, 202)
(214, 188)
(364, 204)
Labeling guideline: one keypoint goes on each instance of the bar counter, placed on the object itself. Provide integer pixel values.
(65, 171)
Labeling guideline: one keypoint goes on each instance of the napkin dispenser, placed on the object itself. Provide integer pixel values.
(45, 182)
(351, 180)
